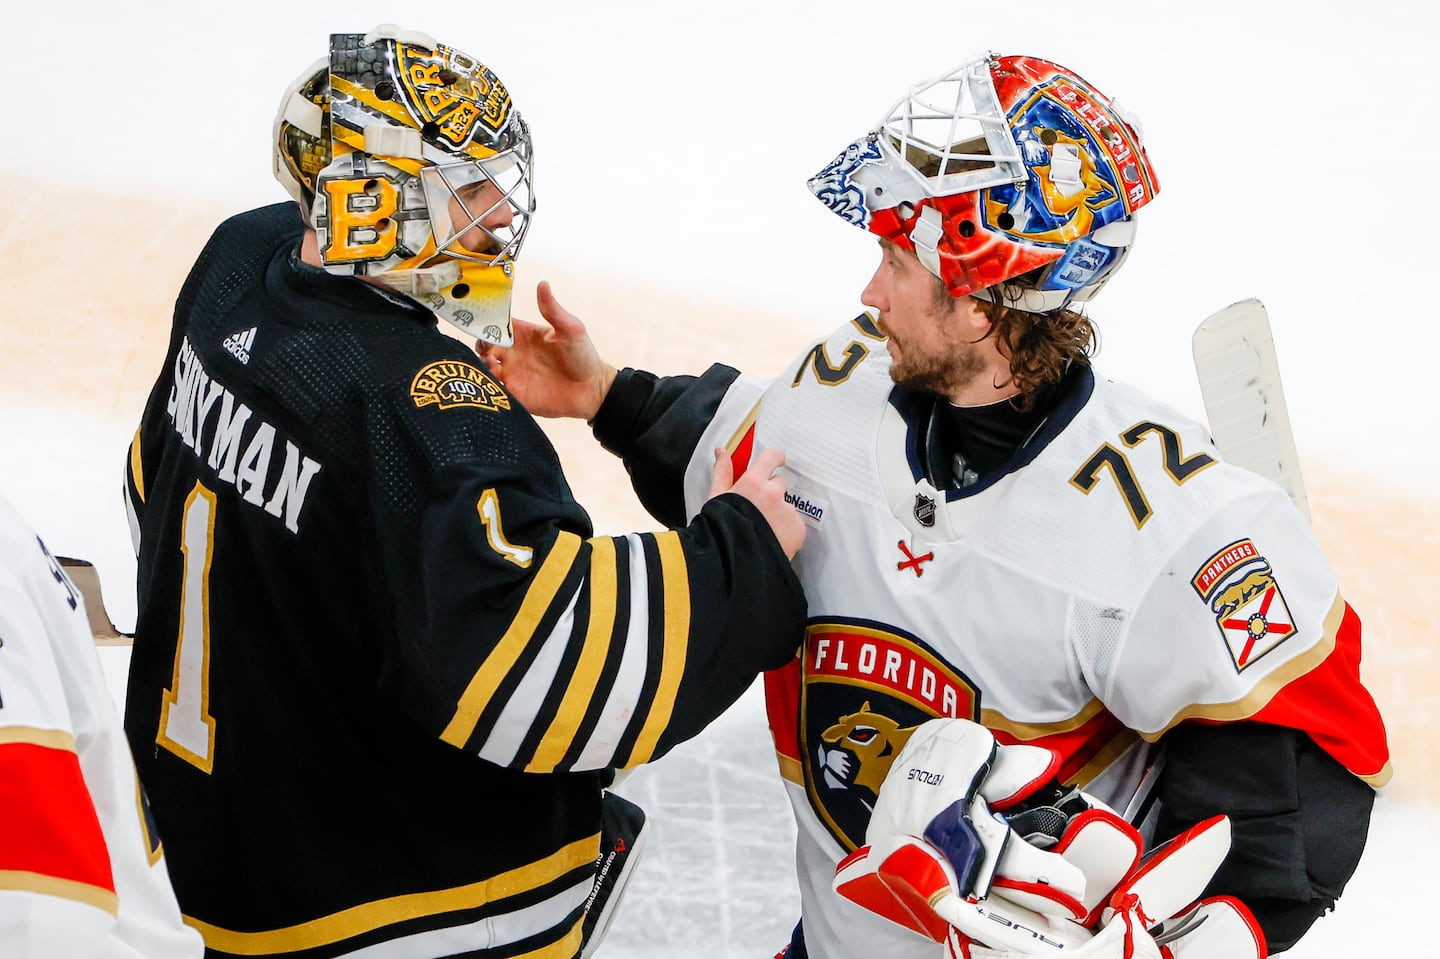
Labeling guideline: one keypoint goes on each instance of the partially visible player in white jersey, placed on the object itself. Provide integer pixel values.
(1002, 536)
(81, 872)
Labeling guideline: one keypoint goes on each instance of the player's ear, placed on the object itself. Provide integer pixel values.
(972, 314)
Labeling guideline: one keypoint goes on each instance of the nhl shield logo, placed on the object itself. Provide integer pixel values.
(1239, 586)
(924, 510)
(865, 689)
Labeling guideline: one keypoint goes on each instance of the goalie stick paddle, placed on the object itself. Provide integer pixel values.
(1240, 384)
(87, 581)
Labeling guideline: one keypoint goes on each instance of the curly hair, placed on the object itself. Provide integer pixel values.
(1040, 346)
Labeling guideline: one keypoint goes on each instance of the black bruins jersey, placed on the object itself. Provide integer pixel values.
(382, 667)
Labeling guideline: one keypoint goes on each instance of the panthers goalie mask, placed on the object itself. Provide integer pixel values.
(413, 166)
(1007, 176)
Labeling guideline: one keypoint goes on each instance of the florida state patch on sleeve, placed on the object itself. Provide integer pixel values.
(449, 383)
(1239, 585)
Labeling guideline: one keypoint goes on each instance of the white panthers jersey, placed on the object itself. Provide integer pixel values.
(1116, 580)
(80, 872)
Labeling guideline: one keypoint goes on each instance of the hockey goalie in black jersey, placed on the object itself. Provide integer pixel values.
(383, 670)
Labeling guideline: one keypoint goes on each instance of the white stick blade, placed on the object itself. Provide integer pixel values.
(1244, 401)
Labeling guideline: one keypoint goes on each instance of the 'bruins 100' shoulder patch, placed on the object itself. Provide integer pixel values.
(448, 383)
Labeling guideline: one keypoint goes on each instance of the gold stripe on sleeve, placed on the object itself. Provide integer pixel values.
(790, 769)
(676, 592)
(29, 735)
(1381, 778)
(16, 880)
(503, 657)
(573, 708)
(154, 849)
(1264, 691)
(1123, 740)
(1029, 732)
(370, 916)
(733, 443)
(137, 468)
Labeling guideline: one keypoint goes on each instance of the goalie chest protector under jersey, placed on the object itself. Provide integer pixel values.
(1114, 581)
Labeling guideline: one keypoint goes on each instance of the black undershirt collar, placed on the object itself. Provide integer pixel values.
(964, 444)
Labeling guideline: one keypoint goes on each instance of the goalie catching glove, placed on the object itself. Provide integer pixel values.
(1061, 876)
(1169, 876)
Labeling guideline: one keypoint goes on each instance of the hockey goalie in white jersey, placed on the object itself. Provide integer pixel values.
(1005, 540)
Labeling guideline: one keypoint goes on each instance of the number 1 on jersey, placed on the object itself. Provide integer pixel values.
(186, 727)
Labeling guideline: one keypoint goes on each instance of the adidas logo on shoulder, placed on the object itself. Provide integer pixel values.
(239, 344)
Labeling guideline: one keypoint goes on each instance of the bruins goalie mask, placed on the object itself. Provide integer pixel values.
(1003, 168)
(413, 167)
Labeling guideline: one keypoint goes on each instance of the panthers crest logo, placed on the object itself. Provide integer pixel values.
(865, 689)
(859, 749)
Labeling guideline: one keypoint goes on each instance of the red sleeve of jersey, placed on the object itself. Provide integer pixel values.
(50, 837)
(740, 458)
(1334, 709)
(782, 709)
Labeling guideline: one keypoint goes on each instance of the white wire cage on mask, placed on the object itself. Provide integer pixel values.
(432, 231)
(948, 135)
(485, 226)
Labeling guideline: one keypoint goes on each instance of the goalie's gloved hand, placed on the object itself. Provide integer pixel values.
(934, 834)
(1170, 875)
(1057, 872)
(1082, 831)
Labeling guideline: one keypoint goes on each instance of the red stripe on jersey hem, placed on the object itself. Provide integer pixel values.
(49, 827)
(1334, 709)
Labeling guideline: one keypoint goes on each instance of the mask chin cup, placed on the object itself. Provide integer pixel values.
(473, 299)
(424, 281)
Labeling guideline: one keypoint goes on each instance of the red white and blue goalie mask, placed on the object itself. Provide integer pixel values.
(999, 167)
